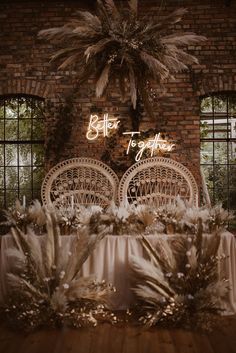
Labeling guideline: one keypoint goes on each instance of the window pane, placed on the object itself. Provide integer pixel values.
(211, 194)
(11, 130)
(232, 105)
(1, 129)
(11, 197)
(1, 177)
(25, 178)
(232, 176)
(220, 176)
(208, 174)
(38, 174)
(38, 154)
(25, 129)
(1, 155)
(206, 105)
(221, 130)
(24, 108)
(220, 152)
(221, 196)
(232, 152)
(11, 177)
(232, 199)
(11, 155)
(37, 109)
(38, 129)
(11, 108)
(28, 196)
(24, 155)
(220, 104)
(1, 199)
(206, 152)
(1, 109)
(206, 129)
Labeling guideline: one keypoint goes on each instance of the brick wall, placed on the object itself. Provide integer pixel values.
(25, 68)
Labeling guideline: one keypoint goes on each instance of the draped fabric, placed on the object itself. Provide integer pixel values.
(110, 262)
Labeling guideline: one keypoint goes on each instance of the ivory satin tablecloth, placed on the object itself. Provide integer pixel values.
(110, 261)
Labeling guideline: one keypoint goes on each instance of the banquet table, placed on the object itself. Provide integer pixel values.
(110, 261)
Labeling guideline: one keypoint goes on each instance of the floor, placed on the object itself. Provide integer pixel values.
(126, 339)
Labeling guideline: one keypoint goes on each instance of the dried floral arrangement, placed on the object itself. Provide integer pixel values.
(180, 286)
(23, 217)
(44, 284)
(117, 43)
(182, 218)
(178, 217)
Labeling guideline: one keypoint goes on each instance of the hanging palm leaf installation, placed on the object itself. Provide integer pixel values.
(115, 43)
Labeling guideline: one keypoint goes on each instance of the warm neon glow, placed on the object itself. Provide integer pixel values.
(153, 144)
(103, 126)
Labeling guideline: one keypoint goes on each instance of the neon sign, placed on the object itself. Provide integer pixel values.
(153, 144)
(103, 126)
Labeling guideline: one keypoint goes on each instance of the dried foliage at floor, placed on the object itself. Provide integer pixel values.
(180, 286)
(44, 284)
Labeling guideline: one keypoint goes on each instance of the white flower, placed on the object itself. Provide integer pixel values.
(62, 274)
(169, 274)
(180, 274)
(65, 286)
(190, 296)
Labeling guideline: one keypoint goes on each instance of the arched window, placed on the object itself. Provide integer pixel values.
(21, 148)
(218, 147)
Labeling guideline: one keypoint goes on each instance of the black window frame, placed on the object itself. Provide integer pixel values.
(228, 97)
(17, 142)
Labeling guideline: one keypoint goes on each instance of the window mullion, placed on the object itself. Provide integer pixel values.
(18, 154)
(4, 153)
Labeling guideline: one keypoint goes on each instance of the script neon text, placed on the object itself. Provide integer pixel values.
(101, 126)
(153, 144)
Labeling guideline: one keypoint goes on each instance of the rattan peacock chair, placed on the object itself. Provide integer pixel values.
(157, 181)
(79, 181)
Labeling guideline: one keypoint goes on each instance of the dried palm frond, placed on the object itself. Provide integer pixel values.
(184, 293)
(36, 213)
(44, 283)
(117, 43)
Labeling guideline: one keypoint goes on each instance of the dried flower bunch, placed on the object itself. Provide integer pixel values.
(44, 284)
(180, 286)
(122, 220)
(116, 43)
(178, 217)
(33, 216)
